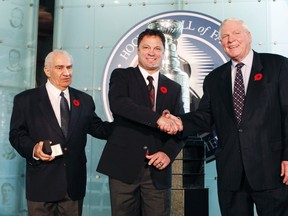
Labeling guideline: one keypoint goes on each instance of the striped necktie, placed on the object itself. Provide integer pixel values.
(238, 93)
(151, 91)
(64, 113)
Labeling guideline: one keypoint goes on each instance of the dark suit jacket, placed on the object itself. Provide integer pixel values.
(135, 127)
(260, 143)
(33, 120)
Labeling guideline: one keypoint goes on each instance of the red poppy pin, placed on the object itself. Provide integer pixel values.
(76, 103)
(258, 76)
(163, 89)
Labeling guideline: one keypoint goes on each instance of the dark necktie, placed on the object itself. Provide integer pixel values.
(239, 93)
(151, 91)
(64, 113)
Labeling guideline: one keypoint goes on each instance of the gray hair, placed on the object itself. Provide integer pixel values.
(244, 25)
(48, 59)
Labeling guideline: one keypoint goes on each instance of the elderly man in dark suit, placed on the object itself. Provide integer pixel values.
(251, 121)
(55, 185)
(138, 156)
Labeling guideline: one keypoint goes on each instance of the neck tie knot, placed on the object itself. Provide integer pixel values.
(150, 84)
(239, 66)
(150, 78)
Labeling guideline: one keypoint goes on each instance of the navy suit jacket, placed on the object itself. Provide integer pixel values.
(260, 143)
(135, 129)
(33, 120)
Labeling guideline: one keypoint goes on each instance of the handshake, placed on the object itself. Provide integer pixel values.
(169, 123)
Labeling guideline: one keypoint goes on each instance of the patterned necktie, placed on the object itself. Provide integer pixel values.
(64, 113)
(239, 93)
(151, 91)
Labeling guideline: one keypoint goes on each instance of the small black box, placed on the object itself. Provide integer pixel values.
(47, 147)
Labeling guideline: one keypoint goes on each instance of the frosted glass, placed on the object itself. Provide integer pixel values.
(18, 42)
(80, 36)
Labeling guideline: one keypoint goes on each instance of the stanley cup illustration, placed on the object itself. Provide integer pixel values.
(172, 29)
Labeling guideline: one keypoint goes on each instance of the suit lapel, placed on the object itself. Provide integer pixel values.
(142, 86)
(47, 111)
(49, 115)
(160, 100)
(226, 89)
(254, 88)
(75, 110)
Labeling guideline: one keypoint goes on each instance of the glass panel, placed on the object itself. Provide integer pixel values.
(278, 17)
(100, 24)
(82, 35)
(82, 68)
(18, 38)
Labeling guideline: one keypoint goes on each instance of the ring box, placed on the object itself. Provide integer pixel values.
(47, 147)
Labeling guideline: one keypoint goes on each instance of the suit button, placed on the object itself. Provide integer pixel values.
(146, 149)
(240, 130)
(65, 148)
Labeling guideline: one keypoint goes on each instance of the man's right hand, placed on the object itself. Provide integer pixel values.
(177, 121)
(169, 124)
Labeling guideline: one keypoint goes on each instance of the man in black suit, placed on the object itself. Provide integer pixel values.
(252, 154)
(138, 156)
(55, 185)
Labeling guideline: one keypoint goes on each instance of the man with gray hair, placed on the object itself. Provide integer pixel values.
(246, 99)
(59, 117)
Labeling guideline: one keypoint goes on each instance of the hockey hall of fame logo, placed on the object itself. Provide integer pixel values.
(194, 51)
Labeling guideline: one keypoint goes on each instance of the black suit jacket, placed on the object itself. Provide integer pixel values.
(135, 128)
(33, 120)
(260, 143)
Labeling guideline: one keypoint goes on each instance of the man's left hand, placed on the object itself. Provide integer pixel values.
(160, 160)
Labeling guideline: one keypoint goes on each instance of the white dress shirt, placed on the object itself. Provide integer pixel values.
(246, 70)
(155, 76)
(54, 96)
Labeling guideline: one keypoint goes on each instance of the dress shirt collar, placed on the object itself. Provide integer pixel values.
(246, 69)
(55, 92)
(145, 74)
(247, 61)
